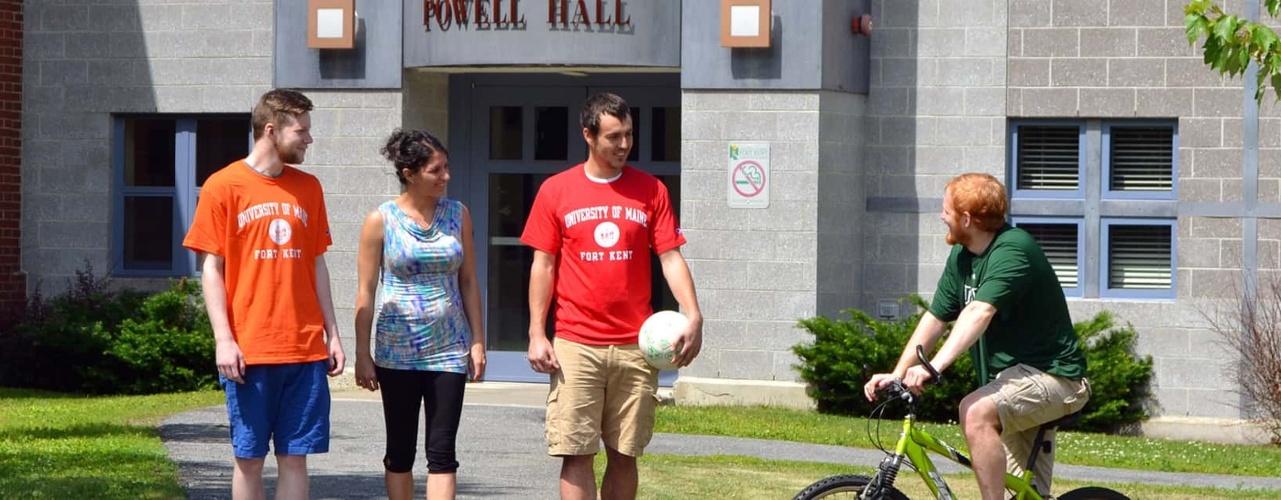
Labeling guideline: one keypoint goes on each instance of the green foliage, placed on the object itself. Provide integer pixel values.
(1231, 42)
(1118, 378)
(845, 353)
(99, 341)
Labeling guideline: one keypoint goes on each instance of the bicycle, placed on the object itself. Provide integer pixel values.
(912, 447)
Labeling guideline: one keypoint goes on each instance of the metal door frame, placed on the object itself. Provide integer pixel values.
(472, 95)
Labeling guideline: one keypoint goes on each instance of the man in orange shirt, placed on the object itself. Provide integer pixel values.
(262, 231)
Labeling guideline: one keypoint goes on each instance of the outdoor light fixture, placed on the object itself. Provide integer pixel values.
(331, 24)
(861, 25)
(745, 23)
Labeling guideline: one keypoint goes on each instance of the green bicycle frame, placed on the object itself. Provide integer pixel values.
(913, 443)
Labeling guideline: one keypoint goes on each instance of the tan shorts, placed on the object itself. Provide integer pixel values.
(600, 393)
(1025, 398)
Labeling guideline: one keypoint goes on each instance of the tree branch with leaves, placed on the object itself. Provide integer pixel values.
(1232, 42)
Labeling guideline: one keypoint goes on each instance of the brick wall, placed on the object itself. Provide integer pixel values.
(12, 281)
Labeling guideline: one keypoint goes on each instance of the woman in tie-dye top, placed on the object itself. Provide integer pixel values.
(430, 335)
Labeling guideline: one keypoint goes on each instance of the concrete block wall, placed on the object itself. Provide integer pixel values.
(842, 202)
(349, 127)
(86, 60)
(936, 108)
(1070, 59)
(752, 290)
(426, 103)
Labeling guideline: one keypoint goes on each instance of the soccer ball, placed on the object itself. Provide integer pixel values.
(657, 335)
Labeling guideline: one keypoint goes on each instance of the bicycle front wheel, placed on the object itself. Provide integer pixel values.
(846, 486)
(1093, 493)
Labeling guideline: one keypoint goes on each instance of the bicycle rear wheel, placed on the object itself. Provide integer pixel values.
(846, 486)
(1093, 493)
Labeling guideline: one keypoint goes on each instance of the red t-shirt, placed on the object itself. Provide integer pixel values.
(602, 233)
(270, 231)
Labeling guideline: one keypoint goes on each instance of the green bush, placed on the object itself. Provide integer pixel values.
(1119, 379)
(845, 353)
(98, 341)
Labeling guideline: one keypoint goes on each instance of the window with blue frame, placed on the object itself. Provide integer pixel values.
(160, 163)
(1100, 197)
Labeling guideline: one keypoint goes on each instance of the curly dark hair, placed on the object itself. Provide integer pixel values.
(603, 103)
(410, 150)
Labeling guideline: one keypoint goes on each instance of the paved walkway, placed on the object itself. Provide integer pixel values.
(500, 447)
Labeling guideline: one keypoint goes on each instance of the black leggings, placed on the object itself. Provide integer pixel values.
(403, 393)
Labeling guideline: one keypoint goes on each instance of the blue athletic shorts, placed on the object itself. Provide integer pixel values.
(289, 403)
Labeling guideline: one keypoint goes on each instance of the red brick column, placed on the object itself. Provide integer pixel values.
(13, 284)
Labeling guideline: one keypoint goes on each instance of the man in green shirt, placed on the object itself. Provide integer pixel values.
(1010, 312)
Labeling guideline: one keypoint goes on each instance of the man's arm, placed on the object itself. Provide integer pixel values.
(324, 294)
(676, 272)
(927, 333)
(230, 361)
(541, 276)
(969, 327)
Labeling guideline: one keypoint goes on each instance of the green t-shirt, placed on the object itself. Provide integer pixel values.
(1031, 325)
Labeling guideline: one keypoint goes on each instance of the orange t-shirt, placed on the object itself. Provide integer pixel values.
(270, 231)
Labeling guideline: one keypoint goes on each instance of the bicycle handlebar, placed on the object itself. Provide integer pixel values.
(895, 388)
(934, 374)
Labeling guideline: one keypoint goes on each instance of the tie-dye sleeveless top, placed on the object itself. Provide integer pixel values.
(421, 322)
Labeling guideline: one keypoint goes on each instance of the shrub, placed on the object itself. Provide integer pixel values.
(845, 353)
(1250, 329)
(95, 340)
(1119, 396)
(169, 348)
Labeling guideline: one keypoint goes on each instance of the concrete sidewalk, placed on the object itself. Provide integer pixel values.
(501, 449)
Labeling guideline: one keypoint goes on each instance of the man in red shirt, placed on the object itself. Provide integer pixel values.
(592, 228)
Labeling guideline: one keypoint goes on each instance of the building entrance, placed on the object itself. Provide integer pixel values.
(519, 136)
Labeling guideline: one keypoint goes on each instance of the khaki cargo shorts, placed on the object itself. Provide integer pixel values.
(1025, 398)
(600, 393)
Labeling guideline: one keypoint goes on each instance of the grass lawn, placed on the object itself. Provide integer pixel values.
(724, 477)
(65, 446)
(1101, 450)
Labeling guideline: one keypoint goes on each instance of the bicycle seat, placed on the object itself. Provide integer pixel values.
(1064, 421)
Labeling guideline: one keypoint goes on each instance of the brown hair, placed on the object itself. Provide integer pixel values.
(603, 103)
(983, 197)
(279, 107)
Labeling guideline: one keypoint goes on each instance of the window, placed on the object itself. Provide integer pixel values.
(160, 163)
(1100, 197)
(1138, 257)
(1061, 240)
(1049, 159)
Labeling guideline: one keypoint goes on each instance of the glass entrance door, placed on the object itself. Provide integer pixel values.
(520, 137)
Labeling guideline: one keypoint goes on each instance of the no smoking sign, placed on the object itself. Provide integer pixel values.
(749, 175)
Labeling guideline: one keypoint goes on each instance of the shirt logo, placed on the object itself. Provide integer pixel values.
(606, 234)
(280, 231)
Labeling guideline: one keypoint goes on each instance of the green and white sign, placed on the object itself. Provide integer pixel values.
(749, 175)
